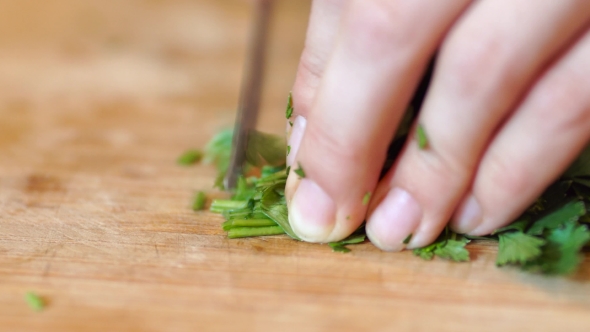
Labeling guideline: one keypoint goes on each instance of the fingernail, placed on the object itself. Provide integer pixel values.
(468, 216)
(295, 138)
(396, 217)
(312, 213)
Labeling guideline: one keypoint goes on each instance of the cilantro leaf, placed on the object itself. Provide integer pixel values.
(562, 254)
(299, 171)
(565, 214)
(448, 246)
(421, 137)
(265, 149)
(581, 166)
(453, 250)
(34, 301)
(289, 111)
(199, 202)
(518, 247)
(407, 239)
(367, 198)
(519, 225)
(218, 150)
(190, 157)
(358, 236)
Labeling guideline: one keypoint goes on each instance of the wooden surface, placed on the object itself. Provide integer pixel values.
(98, 98)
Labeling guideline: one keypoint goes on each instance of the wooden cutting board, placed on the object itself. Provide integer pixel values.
(97, 100)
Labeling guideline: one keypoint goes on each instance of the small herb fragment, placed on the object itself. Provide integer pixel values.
(289, 111)
(367, 198)
(34, 301)
(288, 149)
(199, 202)
(421, 137)
(300, 172)
(190, 157)
(407, 239)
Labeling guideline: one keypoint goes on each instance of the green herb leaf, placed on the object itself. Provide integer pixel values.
(518, 247)
(218, 151)
(337, 247)
(34, 301)
(519, 225)
(190, 157)
(199, 202)
(289, 111)
(265, 149)
(561, 254)
(565, 214)
(288, 149)
(367, 198)
(421, 137)
(453, 250)
(581, 166)
(300, 172)
(407, 239)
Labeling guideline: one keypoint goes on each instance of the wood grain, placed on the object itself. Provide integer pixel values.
(97, 99)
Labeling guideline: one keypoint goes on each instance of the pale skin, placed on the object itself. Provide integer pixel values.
(507, 111)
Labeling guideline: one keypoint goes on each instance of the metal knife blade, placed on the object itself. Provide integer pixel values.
(250, 92)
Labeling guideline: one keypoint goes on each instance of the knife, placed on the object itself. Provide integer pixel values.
(250, 92)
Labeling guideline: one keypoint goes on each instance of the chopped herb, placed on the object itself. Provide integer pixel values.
(407, 239)
(549, 237)
(34, 301)
(190, 157)
(288, 149)
(291, 123)
(421, 137)
(367, 198)
(200, 199)
(300, 172)
(518, 248)
(289, 111)
(240, 232)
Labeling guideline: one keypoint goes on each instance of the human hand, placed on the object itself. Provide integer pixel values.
(508, 109)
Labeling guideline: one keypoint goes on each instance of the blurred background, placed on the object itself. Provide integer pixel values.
(107, 66)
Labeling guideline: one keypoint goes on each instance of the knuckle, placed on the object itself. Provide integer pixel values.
(331, 148)
(565, 99)
(476, 60)
(507, 178)
(378, 27)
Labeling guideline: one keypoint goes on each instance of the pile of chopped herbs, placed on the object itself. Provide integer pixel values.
(550, 237)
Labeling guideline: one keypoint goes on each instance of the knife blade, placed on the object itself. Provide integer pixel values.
(250, 92)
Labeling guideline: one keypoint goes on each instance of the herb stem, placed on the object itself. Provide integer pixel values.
(220, 205)
(239, 232)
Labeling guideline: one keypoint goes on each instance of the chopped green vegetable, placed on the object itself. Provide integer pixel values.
(288, 149)
(34, 301)
(421, 137)
(240, 232)
(289, 111)
(190, 157)
(407, 239)
(367, 198)
(561, 254)
(549, 237)
(518, 247)
(300, 172)
(568, 213)
(200, 199)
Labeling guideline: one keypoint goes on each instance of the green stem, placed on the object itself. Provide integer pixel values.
(253, 222)
(239, 232)
(220, 205)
